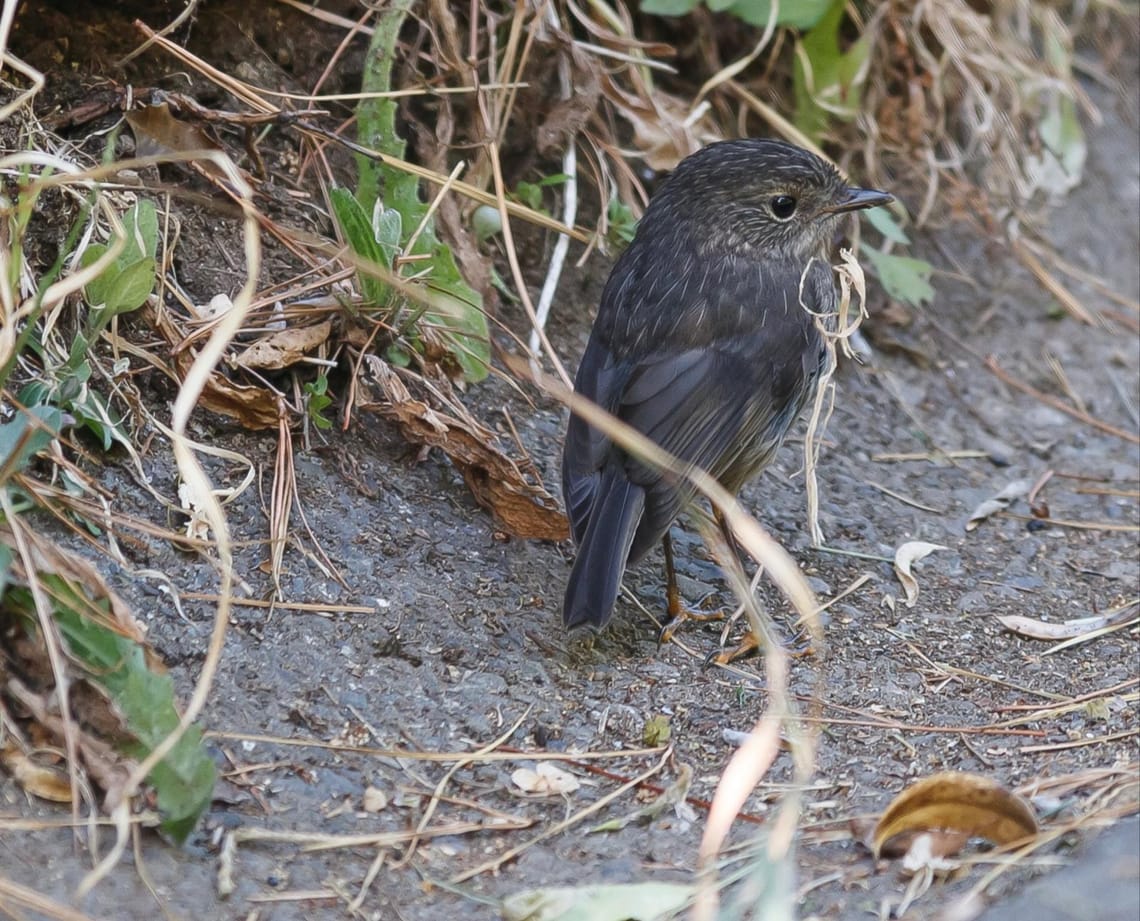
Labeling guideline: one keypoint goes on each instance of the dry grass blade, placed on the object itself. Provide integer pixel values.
(997, 371)
(13, 896)
(195, 476)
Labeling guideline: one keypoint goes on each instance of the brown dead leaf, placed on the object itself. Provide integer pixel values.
(950, 808)
(435, 417)
(284, 348)
(253, 407)
(158, 133)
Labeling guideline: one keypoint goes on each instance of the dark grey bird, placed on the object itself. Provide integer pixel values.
(704, 343)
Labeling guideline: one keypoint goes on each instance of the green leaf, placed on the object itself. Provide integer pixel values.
(359, 233)
(184, 779)
(530, 194)
(126, 284)
(96, 289)
(318, 401)
(453, 305)
(622, 223)
(796, 14)
(141, 223)
(21, 439)
(6, 558)
(94, 413)
(668, 7)
(903, 278)
(130, 288)
(388, 227)
(883, 222)
(827, 82)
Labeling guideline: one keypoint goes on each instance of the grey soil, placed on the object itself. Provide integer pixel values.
(463, 636)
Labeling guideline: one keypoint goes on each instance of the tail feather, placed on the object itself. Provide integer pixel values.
(595, 578)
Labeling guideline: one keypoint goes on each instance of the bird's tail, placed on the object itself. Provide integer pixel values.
(599, 566)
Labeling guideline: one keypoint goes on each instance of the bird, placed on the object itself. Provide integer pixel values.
(703, 342)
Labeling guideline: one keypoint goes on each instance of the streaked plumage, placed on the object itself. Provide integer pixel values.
(700, 343)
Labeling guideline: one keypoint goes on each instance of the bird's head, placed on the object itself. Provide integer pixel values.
(767, 196)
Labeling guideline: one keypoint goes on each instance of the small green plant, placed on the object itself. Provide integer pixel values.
(622, 223)
(317, 400)
(123, 285)
(80, 606)
(387, 219)
(797, 14)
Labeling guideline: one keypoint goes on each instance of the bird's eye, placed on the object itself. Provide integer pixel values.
(783, 207)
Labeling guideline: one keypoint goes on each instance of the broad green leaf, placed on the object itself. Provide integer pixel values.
(126, 284)
(96, 289)
(796, 14)
(464, 326)
(827, 82)
(389, 226)
(21, 439)
(358, 232)
(903, 278)
(141, 223)
(184, 779)
(94, 413)
(883, 222)
(668, 7)
(130, 288)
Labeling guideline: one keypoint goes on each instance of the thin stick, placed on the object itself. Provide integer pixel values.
(996, 370)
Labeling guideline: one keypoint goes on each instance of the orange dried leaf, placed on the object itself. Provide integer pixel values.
(953, 807)
(434, 417)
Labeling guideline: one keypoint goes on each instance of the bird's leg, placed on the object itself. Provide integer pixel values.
(678, 611)
(751, 642)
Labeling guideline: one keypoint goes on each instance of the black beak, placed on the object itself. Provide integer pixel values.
(855, 199)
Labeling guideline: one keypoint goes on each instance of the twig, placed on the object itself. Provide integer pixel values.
(1079, 743)
(997, 371)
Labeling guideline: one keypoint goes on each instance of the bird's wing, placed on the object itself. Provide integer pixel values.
(713, 408)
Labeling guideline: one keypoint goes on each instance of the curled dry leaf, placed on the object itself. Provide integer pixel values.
(41, 780)
(435, 417)
(998, 502)
(950, 808)
(1040, 630)
(905, 557)
(284, 348)
(544, 780)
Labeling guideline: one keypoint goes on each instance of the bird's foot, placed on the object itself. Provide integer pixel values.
(680, 614)
(751, 644)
